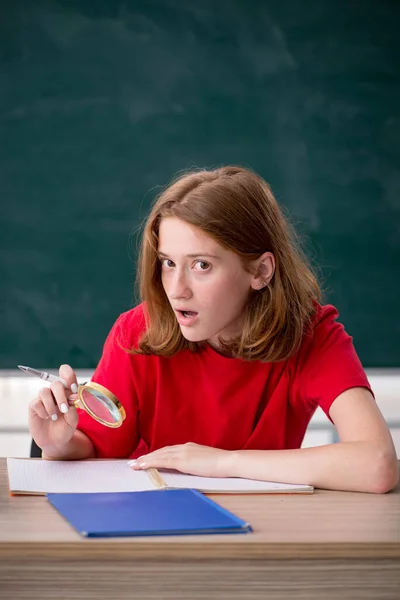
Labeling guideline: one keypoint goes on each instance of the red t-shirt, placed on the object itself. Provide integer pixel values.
(217, 401)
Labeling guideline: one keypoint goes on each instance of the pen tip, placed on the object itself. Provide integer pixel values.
(21, 367)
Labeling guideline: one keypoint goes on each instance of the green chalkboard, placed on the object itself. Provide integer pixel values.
(103, 101)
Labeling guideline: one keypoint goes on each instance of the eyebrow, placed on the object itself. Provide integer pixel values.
(196, 255)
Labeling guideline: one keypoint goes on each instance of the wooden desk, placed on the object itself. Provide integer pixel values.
(329, 545)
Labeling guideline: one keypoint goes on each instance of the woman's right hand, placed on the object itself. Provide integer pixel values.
(52, 416)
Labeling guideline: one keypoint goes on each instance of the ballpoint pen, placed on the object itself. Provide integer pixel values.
(47, 377)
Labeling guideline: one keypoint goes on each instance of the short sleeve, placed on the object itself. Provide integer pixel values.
(114, 372)
(328, 363)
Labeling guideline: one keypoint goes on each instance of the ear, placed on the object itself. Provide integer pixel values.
(264, 269)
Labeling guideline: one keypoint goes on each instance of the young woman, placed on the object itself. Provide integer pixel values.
(222, 366)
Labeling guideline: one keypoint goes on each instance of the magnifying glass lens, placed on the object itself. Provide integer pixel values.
(102, 407)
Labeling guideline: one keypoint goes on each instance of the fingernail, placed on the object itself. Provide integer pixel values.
(74, 388)
(64, 408)
(54, 417)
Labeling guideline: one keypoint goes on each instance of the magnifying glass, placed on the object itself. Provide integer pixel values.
(95, 399)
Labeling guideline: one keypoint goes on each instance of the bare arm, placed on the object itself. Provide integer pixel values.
(364, 460)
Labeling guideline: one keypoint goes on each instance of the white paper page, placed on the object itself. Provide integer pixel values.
(45, 476)
(232, 485)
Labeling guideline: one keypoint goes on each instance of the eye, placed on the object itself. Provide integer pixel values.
(167, 263)
(202, 265)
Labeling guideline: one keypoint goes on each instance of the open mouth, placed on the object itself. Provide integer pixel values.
(186, 318)
(187, 313)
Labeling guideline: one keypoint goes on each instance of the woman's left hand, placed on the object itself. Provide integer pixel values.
(189, 458)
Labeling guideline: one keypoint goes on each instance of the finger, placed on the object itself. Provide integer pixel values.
(37, 408)
(71, 417)
(157, 460)
(165, 450)
(60, 395)
(67, 373)
(49, 403)
(72, 398)
(152, 457)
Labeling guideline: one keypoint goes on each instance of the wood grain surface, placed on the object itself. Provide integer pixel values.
(325, 545)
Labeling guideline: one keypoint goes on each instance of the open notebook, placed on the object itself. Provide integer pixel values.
(36, 476)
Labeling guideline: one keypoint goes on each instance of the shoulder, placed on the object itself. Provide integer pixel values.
(325, 328)
(326, 339)
(325, 316)
(327, 363)
(129, 326)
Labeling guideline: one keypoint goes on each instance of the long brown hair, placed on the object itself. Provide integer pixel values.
(237, 208)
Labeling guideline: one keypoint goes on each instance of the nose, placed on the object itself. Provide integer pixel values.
(178, 286)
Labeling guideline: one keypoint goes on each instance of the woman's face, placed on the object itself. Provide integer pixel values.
(206, 284)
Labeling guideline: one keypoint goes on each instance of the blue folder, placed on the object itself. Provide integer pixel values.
(158, 512)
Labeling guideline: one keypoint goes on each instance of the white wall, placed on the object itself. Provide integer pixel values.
(16, 390)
